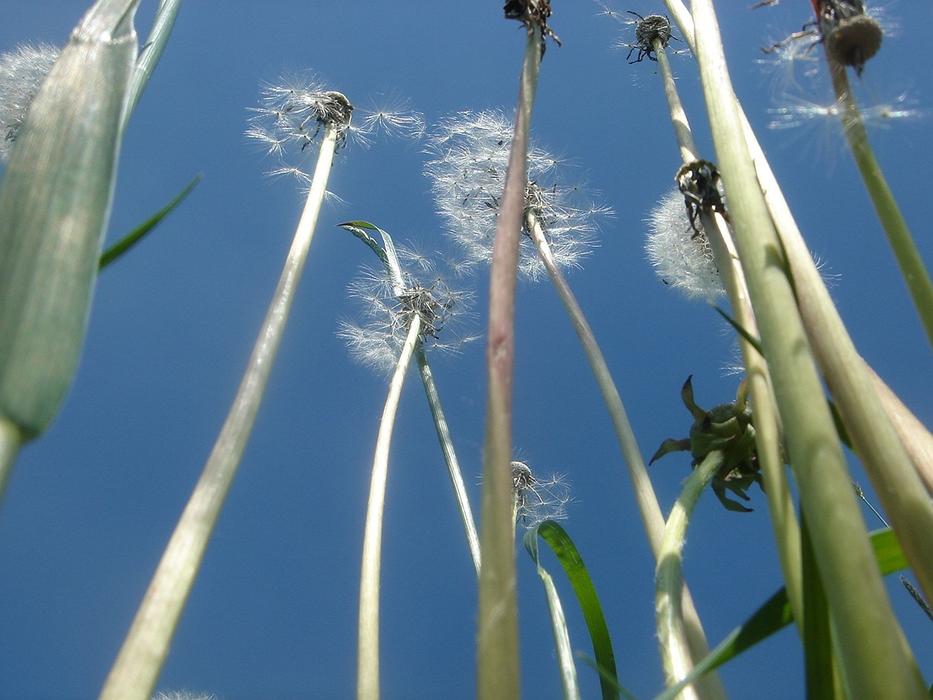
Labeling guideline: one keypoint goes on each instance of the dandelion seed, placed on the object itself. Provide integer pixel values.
(378, 341)
(22, 71)
(470, 156)
(536, 500)
(681, 258)
(797, 111)
(182, 695)
(394, 118)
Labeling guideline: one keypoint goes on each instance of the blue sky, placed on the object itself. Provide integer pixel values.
(273, 613)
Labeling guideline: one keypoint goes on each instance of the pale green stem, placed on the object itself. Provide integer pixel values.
(645, 497)
(875, 656)
(136, 670)
(497, 636)
(11, 439)
(767, 422)
(669, 582)
(565, 660)
(453, 466)
(150, 54)
(367, 668)
(899, 237)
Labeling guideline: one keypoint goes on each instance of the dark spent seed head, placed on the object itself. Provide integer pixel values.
(853, 41)
(651, 28)
(336, 109)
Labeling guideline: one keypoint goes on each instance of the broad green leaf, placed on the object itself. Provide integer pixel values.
(138, 233)
(54, 204)
(571, 561)
(775, 614)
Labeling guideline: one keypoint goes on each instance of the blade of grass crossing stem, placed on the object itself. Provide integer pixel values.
(140, 232)
(568, 670)
(874, 655)
(55, 201)
(775, 614)
(570, 560)
(367, 679)
(497, 633)
(136, 670)
(819, 664)
(386, 253)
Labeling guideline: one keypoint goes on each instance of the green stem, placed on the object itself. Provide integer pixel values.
(669, 583)
(497, 637)
(11, 439)
(905, 250)
(876, 660)
(450, 456)
(136, 670)
(645, 497)
(367, 687)
(150, 54)
(767, 422)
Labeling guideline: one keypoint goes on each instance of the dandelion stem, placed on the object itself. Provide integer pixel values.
(899, 237)
(497, 638)
(368, 643)
(767, 422)
(645, 497)
(672, 638)
(450, 456)
(11, 439)
(875, 657)
(137, 667)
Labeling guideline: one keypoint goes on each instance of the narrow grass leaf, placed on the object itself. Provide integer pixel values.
(775, 614)
(138, 233)
(568, 670)
(569, 557)
(151, 52)
(54, 205)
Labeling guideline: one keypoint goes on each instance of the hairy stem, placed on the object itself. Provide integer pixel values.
(136, 670)
(367, 675)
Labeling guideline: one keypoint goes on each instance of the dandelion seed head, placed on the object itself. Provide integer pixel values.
(22, 71)
(469, 158)
(377, 341)
(681, 258)
(536, 500)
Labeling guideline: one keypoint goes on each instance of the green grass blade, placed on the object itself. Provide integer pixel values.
(151, 53)
(775, 614)
(569, 557)
(568, 670)
(138, 233)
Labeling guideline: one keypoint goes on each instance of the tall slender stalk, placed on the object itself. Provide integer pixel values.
(645, 497)
(672, 634)
(767, 422)
(367, 668)
(136, 670)
(450, 456)
(875, 658)
(902, 243)
(497, 637)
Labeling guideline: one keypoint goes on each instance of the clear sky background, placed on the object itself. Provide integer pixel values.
(273, 614)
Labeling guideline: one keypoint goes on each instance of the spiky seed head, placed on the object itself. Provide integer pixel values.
(536, 500)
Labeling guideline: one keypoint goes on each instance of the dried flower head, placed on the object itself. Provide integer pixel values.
(22, 71)
(537, 500)
(681, 255)
(470, 155)
(650, 32)
(293, 115)
(388, 312)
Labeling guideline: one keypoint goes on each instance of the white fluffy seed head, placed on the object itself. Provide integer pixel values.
(537, 500)
(470, 153)
(680, 257)
(22, 71)
(386, 317)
